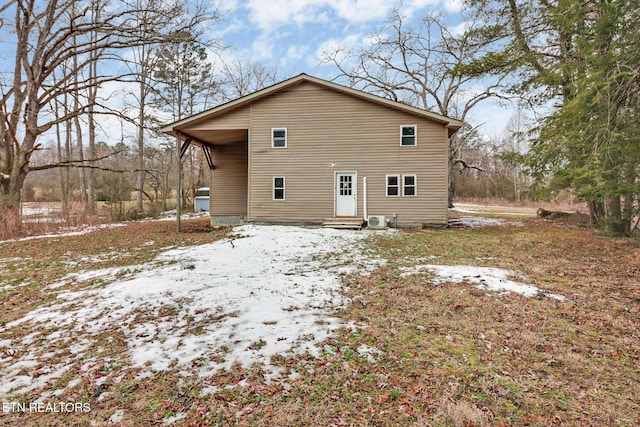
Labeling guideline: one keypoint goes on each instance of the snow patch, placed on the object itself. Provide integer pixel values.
(69, 231)
(488, 278)
(479, 222)
(175, 418)
(265, 290)
(370, 354)
(117, 416)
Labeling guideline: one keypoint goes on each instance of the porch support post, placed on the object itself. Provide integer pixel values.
(178, 184)
(180, 150)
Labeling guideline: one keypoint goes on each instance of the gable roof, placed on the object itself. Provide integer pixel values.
(452, 124)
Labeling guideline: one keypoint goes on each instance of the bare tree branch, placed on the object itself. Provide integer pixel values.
(56, 43)
(465, 165)
(419, 66)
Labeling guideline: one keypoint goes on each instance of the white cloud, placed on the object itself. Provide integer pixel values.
(299, 33)
(361, 10)
(268, 15)
(225, 5)
(453, 5)
(340, 47)
(296, 53)
(458, 30)
(413, 6)
(262, 48)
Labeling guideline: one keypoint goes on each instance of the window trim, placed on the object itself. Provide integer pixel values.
(283, 188)
(415, 135)
(398, 186)
(415, 185)
(273, 139)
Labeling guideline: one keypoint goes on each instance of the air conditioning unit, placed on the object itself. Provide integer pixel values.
(376, 221)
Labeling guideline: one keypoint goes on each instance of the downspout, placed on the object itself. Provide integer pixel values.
(364, 198)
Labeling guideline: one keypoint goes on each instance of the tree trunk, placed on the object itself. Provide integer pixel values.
(141, 142)
(66, 197)
(76, 121)
(92, 95)
(91, 179)
(452, 188)
(596, 211)
(83, 173)
(627, 210)
(614, 215)
(20, 170)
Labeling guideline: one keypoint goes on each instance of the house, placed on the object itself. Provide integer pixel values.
(307, 150)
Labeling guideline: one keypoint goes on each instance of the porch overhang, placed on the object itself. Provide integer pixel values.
(210, 137)
(207, 139)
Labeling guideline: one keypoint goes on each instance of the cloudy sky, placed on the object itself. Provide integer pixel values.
(293, 34)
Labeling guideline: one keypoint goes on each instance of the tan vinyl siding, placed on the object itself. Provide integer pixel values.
(304, 86)
(228, 189)
(325, 126)
(236, 119)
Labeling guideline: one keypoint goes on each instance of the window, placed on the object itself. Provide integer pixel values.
(278, 188)
(408, 182)
(279, 138)
(393, 185)
(408, 135)
(409, 185)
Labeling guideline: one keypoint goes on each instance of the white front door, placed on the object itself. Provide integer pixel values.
(346, 194)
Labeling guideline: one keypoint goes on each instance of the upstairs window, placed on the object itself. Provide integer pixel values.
(409, 185)
(278, 188)
(393, 185)
(408, 135)
(279, 138)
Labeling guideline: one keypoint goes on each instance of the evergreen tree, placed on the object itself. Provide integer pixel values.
(584, 58)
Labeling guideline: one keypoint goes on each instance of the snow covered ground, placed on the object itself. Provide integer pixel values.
(267, 290)
(263, 291)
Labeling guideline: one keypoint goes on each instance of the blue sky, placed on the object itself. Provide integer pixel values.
(292, 35)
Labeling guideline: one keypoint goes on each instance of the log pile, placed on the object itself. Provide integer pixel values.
(575, 218)
(543, 213)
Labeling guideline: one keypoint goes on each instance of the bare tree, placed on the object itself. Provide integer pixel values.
(418, 66)
(48, 34)
(185, 83)
(240, 78)
(145, 63)
(92, 98)
(515, 146)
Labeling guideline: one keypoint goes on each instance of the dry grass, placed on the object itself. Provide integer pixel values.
(10, 220)
(16, 224)
(449, 355)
